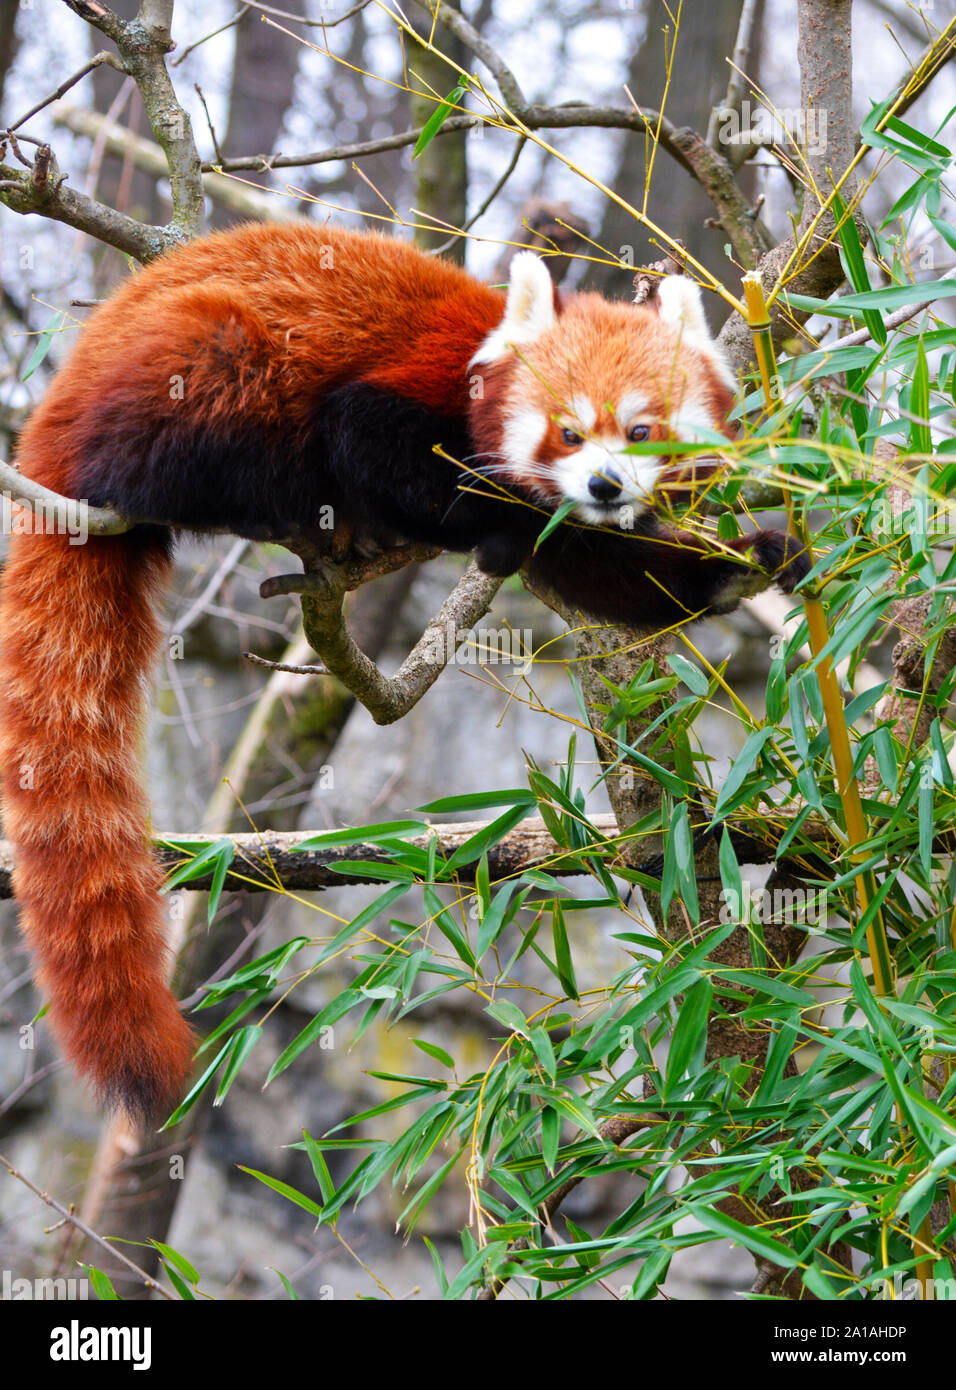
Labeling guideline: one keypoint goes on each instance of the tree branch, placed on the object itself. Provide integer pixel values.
(143, 44)
(44, 504)
(456, 24)
(323, 587)
(149, 156)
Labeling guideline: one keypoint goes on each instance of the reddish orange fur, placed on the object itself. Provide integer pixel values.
(78, 632)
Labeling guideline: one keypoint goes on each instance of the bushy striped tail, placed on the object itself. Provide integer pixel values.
(78, 636)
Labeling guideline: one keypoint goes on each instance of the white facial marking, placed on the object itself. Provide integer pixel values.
(583, 413)
(636, 473)
(522, 436)
(631, 404)
(529, 309)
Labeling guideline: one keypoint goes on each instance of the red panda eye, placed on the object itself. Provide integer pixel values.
(570, 437)
(638, 433)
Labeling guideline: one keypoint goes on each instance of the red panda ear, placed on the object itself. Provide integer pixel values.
(530, 309)
(680, 304)
(556, 301)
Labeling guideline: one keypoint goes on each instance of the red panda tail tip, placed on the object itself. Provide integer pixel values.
(141, 1068)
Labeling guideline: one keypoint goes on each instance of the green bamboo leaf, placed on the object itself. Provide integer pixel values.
(510, 1015)
(503, 909)
(291, 1194)
(855, 264)
(480, 801)
(437, 119)
(921, 439)
(357, 924)
(286, 1284)
(439, 1053)
(767, 984)
(563, 960)
(363, 834)
(102, 1286)
(692, 676)
(543, 1050)
(319, 1167)
(565, 510)
(200, 864)
(44, 343)
(240, 1045)
(752, 1238)
(475, 846)
(742, 764)
(689, 1032)
(550, 1136)
(181, 1287)
(187, 1270)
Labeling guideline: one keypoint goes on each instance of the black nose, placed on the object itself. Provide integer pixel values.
(605, 487)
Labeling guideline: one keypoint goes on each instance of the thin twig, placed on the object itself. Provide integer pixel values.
(236, 19)
(94, 62)
(69, 1216)
(476, 217)
(311, 23)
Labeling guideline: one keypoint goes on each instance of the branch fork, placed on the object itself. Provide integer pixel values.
(323, 586)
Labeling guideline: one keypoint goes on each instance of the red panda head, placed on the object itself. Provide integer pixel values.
(567, 386)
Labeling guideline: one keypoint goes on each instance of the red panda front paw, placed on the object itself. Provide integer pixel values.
(501, 555)
(782, 555)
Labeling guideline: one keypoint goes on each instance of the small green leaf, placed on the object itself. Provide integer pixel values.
(180, 1262)
(439, 1053)
(363, 834)
(565, 509)
(510, 1015)
(437, 119)
(44, 343)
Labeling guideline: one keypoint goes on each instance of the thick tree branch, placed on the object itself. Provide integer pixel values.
(323, 587)
(43, 190)
(143, 44)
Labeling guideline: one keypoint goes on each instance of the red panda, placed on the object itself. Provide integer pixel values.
(245, 382)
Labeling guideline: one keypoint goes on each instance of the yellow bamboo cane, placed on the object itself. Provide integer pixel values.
(848, 788)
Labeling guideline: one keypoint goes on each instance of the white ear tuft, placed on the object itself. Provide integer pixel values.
(529, 310)
(681, 305)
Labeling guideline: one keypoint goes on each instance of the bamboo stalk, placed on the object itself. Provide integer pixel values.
(848, 788)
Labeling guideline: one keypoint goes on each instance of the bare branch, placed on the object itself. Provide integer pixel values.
(457, 24)
(143, 44)
(94, 62)
(323, 587)
(147, 155)
(237, 18)
(301, 19)
(736, 83)
(69, 1216)
(44, 191)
